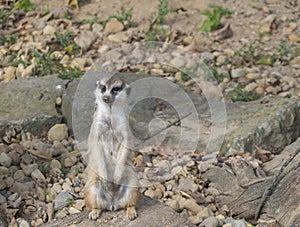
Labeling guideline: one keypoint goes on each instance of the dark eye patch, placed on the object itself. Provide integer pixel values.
(115, 90)
(102, 88)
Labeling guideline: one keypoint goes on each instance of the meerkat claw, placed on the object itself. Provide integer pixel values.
(131, 213)
(94, 214)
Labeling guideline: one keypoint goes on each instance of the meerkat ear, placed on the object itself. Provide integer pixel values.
(127, 89)
(97, 83)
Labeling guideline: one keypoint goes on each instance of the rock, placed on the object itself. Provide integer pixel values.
(4, 171)
(224, 33)
(154, 194)
(36, 175)
(79, 204)
(97, 27)
(191, 205)
(13, 197)
(103, 49)
(19, 70)
(19, 176)
(28, 169)
(210, 222)
(253, 76)
(187, 185)
(2, 184)
(62, 200)
(14, 157)
(58, 132)
(49, 30)
(196, 220)
(237, 73)
(16, 47)
(221, 59)
(30, 103)
(2, 199)
(40, 193)
(73, 210)
(9, 74)
(235, 223)
(177, 62)
(251, 87)
(28, 71)
(207, 56)
(268, 133)
(70, 161)
(205, 213)
(5, 160)
(22, 222)
(55, 164)
(294, 38)
(23, 189)
(85, 39)
(113, 26)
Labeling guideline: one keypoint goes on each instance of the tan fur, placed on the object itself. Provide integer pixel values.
(112, 183)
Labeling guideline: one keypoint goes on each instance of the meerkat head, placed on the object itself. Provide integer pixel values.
(110, 88)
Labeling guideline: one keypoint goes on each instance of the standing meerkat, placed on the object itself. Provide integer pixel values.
(112, 183)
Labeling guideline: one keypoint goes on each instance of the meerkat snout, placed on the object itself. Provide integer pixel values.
(109, 88)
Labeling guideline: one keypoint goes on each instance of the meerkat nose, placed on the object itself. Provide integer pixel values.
(106, 99)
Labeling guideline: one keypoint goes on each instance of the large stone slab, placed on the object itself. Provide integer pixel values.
(271, 123)
(30, 103)
(151, 213)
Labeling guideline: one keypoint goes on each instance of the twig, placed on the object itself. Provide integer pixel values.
(168, 126)
(275, 182)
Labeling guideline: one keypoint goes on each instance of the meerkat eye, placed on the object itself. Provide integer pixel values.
(102, 88)
(115, 90)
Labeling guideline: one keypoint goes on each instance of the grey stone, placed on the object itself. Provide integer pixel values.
(2, 199)
(61, 200)
(207, 56)
(5, 160)
(23, 189)
(4, 171)
(248, 125)
(210, 222)
(38, 176)
(187, 185)
(147, 216)
(28, 169)
(30, 103)
(58, 132)
(237, 73)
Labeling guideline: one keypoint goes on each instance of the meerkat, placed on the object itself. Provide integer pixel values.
(111, 183)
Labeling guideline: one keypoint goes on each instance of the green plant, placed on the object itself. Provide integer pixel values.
(95, 20)
(157, 33)
(8, 39)
(187, 73)
(70, 201)
(48, 64)
(65, 170)
(238, 94)
(3, 17)
(25, 5)
(163, 10)
(213, 22)
(48, 193)
(253, 54)
(66, 40)
(125, 17)
(67, 15)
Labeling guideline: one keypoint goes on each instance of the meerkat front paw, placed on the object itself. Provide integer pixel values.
(94, 214)
(131, 213)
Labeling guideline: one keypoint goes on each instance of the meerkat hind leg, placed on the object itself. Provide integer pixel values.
(131, 213)
(94, 214)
